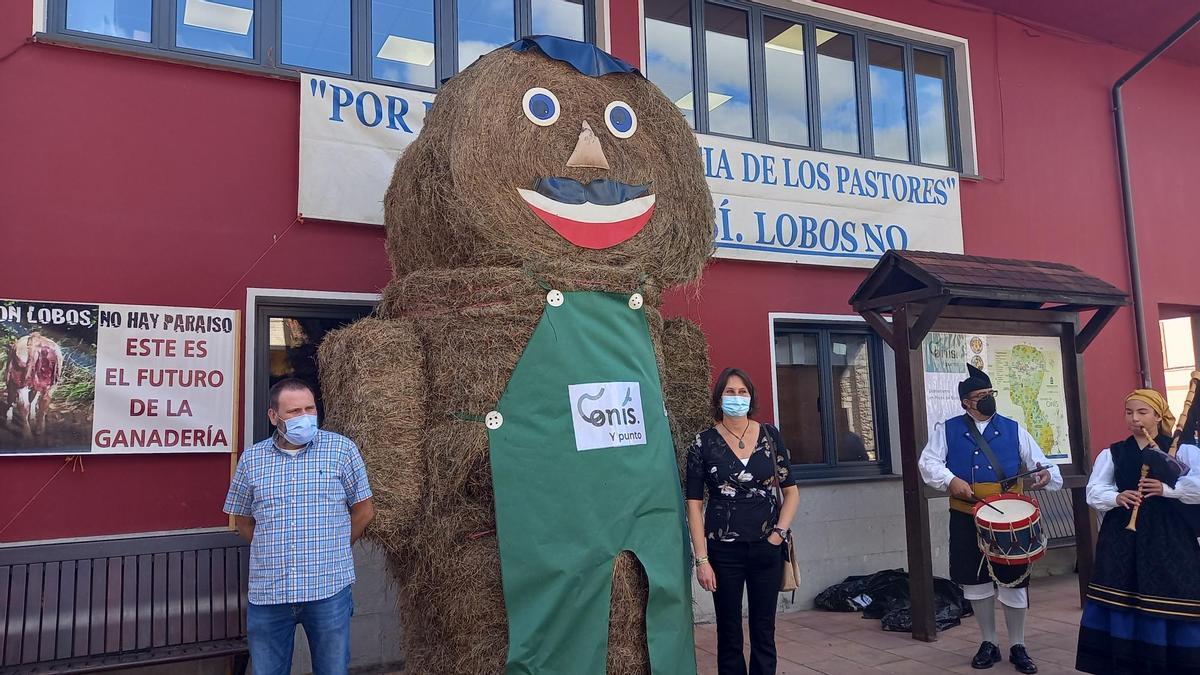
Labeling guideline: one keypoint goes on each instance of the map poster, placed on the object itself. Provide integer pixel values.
(1026, 371)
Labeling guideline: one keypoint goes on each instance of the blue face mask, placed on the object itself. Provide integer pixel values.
(735, 406)
(300, 430)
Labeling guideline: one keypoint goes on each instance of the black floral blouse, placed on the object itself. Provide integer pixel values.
(742, 505)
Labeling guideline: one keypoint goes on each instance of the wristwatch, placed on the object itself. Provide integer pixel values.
(783, 534)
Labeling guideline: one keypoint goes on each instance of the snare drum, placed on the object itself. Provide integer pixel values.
(1009, 529)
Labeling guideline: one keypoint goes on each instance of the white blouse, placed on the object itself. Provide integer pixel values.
(1102, 485)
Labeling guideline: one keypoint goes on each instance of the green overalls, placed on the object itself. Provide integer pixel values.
(584, 468)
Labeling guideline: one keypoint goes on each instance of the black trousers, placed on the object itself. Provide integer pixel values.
(753, 567)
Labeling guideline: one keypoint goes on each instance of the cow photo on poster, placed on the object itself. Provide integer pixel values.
(48, 353)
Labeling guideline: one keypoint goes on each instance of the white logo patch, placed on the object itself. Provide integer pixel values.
(607, 415)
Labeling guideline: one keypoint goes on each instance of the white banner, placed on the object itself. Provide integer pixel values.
(117, 379)
(351, 134)
(773, 203)
(785, 205)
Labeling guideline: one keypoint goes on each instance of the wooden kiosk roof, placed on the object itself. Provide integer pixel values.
(938, 280)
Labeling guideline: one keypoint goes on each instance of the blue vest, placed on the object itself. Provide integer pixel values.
(968, 462)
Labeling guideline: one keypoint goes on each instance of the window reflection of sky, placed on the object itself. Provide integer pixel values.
(483, 25)
(787, 82)
(129, 19)
(413, 21)
(214, 28)
(669, 49)
(930, 88)
(316, 34)
(839, 92)
(889, 112)
(563, 18)
(728, 58)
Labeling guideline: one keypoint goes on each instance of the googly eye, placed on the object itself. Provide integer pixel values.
(540, 106)
(620, 119)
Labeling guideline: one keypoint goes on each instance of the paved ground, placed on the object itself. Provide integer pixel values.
(835, 643)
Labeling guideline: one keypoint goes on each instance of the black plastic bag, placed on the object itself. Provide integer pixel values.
(884, 596)
(844, 597)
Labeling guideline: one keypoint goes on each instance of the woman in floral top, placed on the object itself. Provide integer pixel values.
(737, 538)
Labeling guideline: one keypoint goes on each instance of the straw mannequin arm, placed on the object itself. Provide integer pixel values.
(373, 385)
(686, 384)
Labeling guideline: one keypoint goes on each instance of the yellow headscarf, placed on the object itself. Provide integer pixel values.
(1159, 404)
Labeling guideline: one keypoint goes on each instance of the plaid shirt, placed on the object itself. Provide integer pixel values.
(301, 509)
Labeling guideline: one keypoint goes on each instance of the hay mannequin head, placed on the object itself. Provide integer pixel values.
(551, 152)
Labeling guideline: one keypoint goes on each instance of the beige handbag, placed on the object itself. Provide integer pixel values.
(790, 579)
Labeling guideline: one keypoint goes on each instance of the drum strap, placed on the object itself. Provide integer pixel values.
(987, 450)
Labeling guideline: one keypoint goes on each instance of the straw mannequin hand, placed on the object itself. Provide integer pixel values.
(1129, 499)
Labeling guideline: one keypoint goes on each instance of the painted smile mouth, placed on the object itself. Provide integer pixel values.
(598, 215)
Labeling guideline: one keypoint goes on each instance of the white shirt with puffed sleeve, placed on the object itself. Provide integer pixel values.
(1102, 484)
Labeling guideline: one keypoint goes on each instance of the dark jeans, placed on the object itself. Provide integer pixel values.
(755, 567)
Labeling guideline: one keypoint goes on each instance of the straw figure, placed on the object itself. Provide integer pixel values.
(513, 391)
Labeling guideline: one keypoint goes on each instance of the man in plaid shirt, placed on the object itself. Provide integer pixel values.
(301, 497)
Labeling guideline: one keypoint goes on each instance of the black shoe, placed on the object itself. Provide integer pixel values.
(1020, 659)
(987, 656)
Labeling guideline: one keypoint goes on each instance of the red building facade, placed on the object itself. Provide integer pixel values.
(135, 178)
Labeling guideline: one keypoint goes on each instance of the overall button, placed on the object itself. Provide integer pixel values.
(494, 420)
(636, 301)
(554, 298)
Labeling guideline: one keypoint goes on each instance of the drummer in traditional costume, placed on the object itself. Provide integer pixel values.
(969, 456)
(1142, 613)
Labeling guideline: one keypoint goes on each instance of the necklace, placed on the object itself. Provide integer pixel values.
(741, 443)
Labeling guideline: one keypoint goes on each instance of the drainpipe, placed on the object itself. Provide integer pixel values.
(1135, 270)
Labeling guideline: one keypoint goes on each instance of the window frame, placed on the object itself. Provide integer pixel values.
(264, 311)
(268, 40)
(256, 362)
(823, 329)
(759, 99)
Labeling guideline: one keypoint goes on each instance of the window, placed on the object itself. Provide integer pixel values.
(786, 82)
(287, 337)
(727, 48)
(402, 42)
(1180, 345)
(315, 35)
(830, 395)
(669, 52)
(483, 25)
(776, 77)
(411, 43)
(218, 27)
(125, 19)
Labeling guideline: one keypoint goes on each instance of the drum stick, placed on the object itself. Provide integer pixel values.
(1014, 479)
(1180, 425)
(991, 505)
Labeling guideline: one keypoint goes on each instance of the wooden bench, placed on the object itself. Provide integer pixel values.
(1058, 520)
(100, 605)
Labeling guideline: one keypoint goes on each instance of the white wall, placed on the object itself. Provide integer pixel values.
(848, 529)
